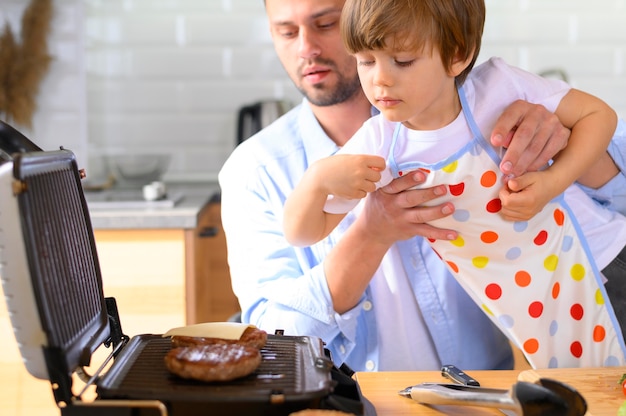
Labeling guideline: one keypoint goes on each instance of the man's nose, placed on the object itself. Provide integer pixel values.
(309, 47)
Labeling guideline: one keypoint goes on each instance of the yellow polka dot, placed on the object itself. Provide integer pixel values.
(459, 242)
(551, 262)
(599, 297)
(487, 310)
(480, 261)
(578, 272)
(451, 167)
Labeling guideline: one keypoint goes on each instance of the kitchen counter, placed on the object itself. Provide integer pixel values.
(599, 386)
(189, 200)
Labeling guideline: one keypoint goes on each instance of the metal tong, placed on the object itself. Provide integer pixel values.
(546, 397)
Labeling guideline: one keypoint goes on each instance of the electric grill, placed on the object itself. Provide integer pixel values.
(53, 287)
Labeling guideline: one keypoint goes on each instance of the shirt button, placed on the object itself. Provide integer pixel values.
(369, 365)
(342, 349)
(367, 305)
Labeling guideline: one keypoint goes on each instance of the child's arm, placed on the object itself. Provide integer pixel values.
(593, 123)
(346, 176)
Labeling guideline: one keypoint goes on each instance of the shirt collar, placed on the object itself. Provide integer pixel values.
(317, 144)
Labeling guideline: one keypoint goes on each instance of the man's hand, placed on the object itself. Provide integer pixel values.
(532, 136)
(395, 212)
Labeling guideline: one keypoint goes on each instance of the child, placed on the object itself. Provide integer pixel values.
(528, 252)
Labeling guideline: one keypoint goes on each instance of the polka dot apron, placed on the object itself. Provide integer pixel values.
(535, 279)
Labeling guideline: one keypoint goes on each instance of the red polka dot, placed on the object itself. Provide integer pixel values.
(531, 345)
(432, 240)
(577, 311)
(493, 206)
(489, 237)
(400, 173)
(424, 170)
(541, 238)
(556, 289)
(599, 333)
(559, 217)
(457, 189)
(453, 266)
(493, 291)
(522, 278)
(576, 349)
(535, 309)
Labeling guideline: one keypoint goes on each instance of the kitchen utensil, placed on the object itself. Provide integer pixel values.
(546, 398)
(458, 376)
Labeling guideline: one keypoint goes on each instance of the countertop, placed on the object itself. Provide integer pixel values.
(189, 199)
(599, 387)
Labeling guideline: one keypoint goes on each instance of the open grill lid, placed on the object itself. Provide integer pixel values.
(63, 280)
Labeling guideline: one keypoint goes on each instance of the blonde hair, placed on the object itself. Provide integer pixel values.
(454, 27)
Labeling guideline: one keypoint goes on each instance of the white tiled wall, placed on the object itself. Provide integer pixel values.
(170, 75)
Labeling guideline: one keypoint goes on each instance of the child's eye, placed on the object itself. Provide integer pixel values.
(405, 63)
(366, 63)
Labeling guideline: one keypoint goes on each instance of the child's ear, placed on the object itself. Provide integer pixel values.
(459, 64)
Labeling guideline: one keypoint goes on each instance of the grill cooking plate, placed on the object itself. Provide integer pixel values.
(293, 374)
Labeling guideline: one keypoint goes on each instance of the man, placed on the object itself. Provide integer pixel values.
(374, 291)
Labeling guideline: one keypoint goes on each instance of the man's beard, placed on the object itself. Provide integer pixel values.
(324, 96)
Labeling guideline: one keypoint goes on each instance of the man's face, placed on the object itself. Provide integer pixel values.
(308, 43)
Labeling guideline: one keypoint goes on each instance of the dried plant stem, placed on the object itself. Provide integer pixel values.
(23, 65)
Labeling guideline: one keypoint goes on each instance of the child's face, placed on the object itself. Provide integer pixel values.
(412, 87)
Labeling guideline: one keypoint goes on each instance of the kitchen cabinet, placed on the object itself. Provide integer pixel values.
(209, 293)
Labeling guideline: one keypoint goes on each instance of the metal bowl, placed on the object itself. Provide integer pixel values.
(136, 170)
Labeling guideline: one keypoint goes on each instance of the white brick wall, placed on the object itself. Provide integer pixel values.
(170, 75)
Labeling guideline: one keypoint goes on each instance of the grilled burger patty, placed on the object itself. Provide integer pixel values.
(252, 337)
(213, 362)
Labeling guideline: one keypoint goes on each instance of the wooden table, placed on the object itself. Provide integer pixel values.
(599, 386)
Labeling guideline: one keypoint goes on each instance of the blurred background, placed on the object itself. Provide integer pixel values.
(172, 75)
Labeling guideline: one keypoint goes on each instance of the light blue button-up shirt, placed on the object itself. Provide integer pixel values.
(284, 287)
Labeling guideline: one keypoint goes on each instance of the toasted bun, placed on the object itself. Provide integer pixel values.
(252, 337)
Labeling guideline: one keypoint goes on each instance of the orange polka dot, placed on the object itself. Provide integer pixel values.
(424, 170)
(457, 189)
(489, 237)
(493, 206)
(556, 289)
(559, 217)
(599, 333)
(576, 349)
(453, 266)
(522, 278)
(541, 238)
(493, 291)
(488, 179)
(531, 345)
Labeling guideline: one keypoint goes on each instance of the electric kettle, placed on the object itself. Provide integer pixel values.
(258, 115)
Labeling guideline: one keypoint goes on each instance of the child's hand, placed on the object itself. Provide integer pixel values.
(523, 197)
(349, 176)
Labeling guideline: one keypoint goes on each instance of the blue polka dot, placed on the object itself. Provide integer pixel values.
(513, 253)
(461, 215)
(612, 361)
(506, 321)
(554, 327)
(568, 242)
(520, 226)
(553, 363)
